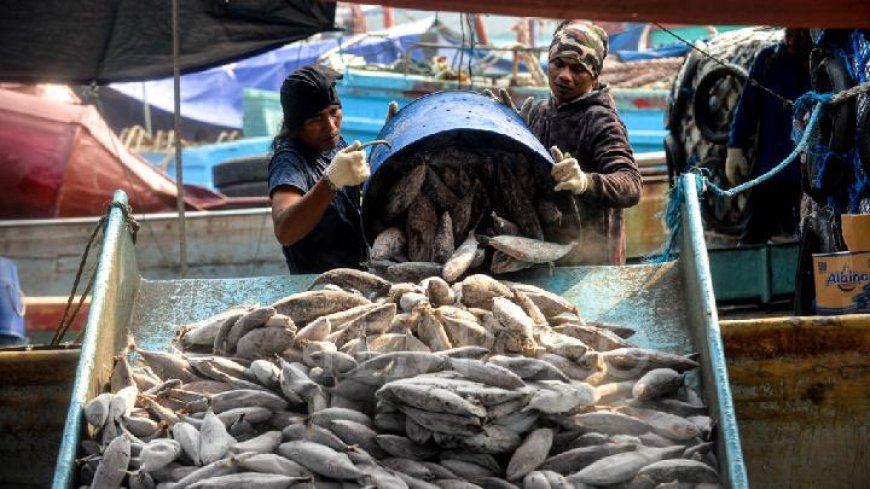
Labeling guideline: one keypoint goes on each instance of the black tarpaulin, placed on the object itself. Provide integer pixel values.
(84, 41)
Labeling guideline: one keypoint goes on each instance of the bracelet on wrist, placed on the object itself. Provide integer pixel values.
(329, 183)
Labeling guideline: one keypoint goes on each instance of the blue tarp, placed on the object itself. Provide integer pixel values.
(626, 45)
(670, 51)
(214, 96)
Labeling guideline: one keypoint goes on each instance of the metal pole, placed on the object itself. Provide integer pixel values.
(179, 172)
(388, 17)
(146, 110)
(532, 32)
(480, 30)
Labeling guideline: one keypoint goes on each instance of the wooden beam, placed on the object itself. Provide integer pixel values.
(42, 314)
(787, 13)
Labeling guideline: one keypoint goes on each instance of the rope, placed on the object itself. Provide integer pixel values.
(815, 103)
(674, 218)
(753, 81)
(861, 55)
(820, 101)
(845, 95)
(67, 319)
(64, 325)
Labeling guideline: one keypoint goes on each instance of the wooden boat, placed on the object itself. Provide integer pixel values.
(801, 398)
(62, 160)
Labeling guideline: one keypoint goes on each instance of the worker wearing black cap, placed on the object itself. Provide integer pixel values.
(314, 177)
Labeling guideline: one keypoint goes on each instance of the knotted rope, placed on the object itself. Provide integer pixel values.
(812, 102)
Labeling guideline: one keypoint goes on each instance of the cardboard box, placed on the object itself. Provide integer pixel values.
(842, 282)
(856, 231)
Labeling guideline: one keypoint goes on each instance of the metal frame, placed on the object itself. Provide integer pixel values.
(671, 304)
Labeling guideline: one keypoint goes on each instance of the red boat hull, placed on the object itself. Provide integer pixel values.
(62, 160)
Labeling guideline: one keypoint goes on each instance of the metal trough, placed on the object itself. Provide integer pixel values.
(671, 305)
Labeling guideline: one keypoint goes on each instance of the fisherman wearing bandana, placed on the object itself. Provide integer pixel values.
(595, 172)
(314, 177)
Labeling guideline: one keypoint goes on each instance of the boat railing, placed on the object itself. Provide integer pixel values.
(518, 49)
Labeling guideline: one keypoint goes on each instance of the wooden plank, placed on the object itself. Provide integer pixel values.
(801, 388)
(786, 13)
(42, 314)
(34, 397)
(221, 244)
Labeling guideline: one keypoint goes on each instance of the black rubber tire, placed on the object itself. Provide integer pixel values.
(701, 101)
(241, 170)
(246, 189)
(804, 285)
(675, 157)
(837, 127)
(681, 95)
(724, 215)
(739, 47)
(863, 133)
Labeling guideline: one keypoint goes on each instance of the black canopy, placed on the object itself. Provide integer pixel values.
(84, 41)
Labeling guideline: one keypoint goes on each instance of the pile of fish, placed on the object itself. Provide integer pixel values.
(360, 382)
(443, 204)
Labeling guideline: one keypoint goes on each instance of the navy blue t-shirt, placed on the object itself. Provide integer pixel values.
(337, 240)
(761, 115)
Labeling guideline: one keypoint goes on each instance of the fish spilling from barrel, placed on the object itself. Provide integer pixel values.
(364, 382)
(455, 209)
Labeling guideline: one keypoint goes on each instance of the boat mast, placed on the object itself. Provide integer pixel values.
(179, 175)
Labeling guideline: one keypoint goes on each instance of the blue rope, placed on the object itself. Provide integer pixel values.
(862, 182)
(674, 219)
(816, 102)
(800, 108)
(861, 47)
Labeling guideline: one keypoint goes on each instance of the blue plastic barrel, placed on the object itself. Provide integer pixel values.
(444, 118)
(11, 306)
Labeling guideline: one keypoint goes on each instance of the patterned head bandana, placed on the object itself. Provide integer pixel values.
(584, 43)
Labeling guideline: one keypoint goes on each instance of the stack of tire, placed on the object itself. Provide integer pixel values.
(857, 44)
(837, 166)
(863, 112)
(700, 109)
(246, 176)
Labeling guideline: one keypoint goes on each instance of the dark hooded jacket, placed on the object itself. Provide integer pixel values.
(589, 128)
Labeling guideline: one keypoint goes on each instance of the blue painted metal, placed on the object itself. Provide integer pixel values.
(199, 160)
(433, 120)
(484, 121)
(11, 307)
(704, 327)
(115, 286)
(754, 273)
(365, 96)
(671, 305)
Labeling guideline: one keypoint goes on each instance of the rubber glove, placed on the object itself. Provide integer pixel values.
(348, 167)
(735, 164)
(568, 174)
(505, 98)
(391, 111)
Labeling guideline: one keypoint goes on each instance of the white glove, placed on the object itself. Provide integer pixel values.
(392, 109)
(735, 163)
(568, 174)
(348, 167)
(505, 98)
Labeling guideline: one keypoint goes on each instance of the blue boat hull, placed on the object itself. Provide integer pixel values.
(365, 96)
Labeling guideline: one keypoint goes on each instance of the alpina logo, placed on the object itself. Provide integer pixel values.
(846, 280)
